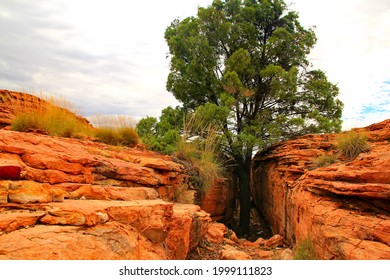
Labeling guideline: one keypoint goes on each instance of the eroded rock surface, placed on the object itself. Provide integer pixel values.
(73, 199)
(344, 208)
(70, 164)
(93, 229)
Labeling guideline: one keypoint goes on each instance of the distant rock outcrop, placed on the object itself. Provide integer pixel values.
(344, 208)
(12, 103)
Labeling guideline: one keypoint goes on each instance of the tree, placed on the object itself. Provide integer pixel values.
(162, 135)
(244, 64)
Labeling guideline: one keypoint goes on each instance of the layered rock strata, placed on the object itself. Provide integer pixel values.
(343, 208)
(73, 199)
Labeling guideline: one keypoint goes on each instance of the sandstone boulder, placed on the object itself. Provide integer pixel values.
(231, 253)
(219, 198)
(216, 233)
(85, 229)
(28, 192)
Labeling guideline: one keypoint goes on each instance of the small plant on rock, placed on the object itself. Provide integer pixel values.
(199, 145)
(351, 144)
(50, 118)
(116, 130)
(305, 250)
(324, 160)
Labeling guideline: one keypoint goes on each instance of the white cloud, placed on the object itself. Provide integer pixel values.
(109, 56)
(354, 50)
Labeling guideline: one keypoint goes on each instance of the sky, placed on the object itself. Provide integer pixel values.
(110, 56)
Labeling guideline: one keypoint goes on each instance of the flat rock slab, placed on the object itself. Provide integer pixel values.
(13, 220)
(92, 212)
(107, 241)
(97, 229)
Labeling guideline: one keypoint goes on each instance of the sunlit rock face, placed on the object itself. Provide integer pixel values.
(342, 207)
(78, 199)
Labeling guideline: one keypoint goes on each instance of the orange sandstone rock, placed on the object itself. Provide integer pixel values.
(216, 233)
(28, 192)
(343, 208)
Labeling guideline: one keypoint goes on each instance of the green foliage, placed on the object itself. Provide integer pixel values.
(351, 144)
(249, 59)
(305, 250)
(244, 63)
(195, 138)
(163, 135)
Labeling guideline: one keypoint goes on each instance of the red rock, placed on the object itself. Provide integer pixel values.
(9, 171)
(343, 208)
(264, 254)
(218, 200)
(284, 254)
(89, 200)
(56, 160)
(86, 229)
(109, 241)
(161, 164)
(260, 242)
(59, 217)
(4, 192)
(186, 229)
(11, 221)
(97, 192)
(274, 241)
(216, 233)
(42, 161)
(117, 193)
(232, 253)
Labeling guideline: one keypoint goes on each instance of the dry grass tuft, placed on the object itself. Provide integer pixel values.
(116, 130)
(351, 144)
(52, 119)
(200, 146)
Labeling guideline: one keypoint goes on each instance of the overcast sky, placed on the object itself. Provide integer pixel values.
(109, 56)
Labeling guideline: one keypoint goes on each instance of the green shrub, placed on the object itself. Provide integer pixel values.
(351, 144)
(305, 250)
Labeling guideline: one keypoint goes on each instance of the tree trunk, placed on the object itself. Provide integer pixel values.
(244, 177)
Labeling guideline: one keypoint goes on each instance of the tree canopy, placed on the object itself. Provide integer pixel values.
(244, 64)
